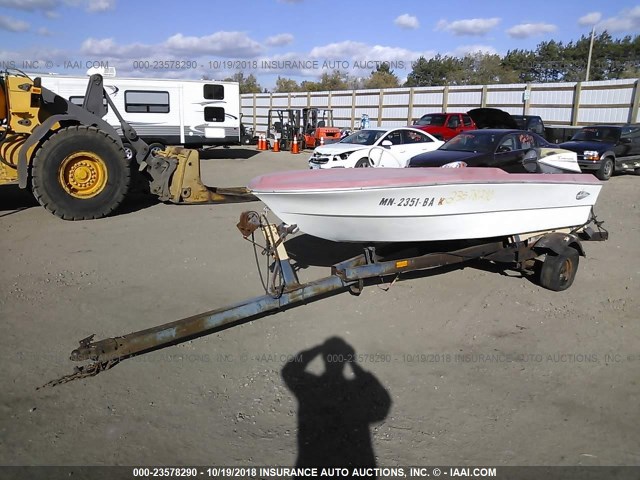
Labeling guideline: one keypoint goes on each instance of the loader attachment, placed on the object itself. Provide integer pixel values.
(182, 183)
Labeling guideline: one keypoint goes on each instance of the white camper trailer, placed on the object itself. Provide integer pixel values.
(192, 113)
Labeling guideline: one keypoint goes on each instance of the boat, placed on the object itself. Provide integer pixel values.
(426, 204)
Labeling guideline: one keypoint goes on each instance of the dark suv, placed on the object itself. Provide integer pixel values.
(606, 149)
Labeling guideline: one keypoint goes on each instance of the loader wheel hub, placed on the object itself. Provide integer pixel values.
(83, 174)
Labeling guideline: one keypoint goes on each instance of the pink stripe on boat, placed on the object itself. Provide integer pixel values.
(341, 178)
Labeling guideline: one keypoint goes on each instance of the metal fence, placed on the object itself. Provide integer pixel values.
(561, 104)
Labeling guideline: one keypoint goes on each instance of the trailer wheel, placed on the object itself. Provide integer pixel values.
(154, 148)
(363, 163)
(559, 271)
(80, 173)
(128, 151)
(606, 169)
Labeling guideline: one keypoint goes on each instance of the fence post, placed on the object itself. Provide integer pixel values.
(527, 99)
(353, 109)
(635, 103)
(410, 109)
(576, 104)
(255, 114)
(483, 97)
(380, 104)
(445, 98)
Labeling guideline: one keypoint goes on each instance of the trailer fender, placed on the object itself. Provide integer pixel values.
(558, 243)
(45, 127)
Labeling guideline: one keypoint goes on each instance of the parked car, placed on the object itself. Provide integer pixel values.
(445, 126)
(374, 147)
(515, 151)
(533, 123)
(606, 149)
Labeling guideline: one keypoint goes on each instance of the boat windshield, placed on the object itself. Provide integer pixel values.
(598, 134)
(471, 142)
(363, 137)
(433, 119)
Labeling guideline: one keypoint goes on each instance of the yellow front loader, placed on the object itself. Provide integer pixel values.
(74, 161)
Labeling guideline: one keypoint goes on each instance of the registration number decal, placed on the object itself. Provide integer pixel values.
(407, 202)
(455, 196)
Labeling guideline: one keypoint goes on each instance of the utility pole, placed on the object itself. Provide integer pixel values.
(593, 30)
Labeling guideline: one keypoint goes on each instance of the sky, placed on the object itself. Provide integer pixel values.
(299, 39)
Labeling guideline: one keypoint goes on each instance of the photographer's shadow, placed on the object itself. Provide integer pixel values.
(334, 412)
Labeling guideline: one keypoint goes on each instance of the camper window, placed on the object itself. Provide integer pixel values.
(136, 101)
(213, 92)
(77, 100)
(213, 114)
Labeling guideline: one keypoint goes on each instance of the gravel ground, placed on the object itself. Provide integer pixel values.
(470, 366)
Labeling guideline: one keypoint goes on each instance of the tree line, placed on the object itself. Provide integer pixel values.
(550, 61)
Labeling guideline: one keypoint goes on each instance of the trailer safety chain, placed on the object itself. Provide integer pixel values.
(82, 371)
(272, 283)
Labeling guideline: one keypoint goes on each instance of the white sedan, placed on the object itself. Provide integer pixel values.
(374, 147)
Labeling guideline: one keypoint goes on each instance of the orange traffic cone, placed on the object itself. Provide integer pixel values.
(259, 142)
(263, 142)
(276, 145)
(295, 148)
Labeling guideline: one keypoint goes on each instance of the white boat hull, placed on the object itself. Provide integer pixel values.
(449, 206)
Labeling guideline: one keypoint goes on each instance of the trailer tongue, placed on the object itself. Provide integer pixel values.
(283, 289)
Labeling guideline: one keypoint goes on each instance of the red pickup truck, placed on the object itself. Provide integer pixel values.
(445, 126)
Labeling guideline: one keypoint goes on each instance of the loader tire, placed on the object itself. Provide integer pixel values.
(80, 173)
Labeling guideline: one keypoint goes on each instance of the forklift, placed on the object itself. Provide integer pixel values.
(318, 127)
(75, 163)
(311, 125)
(282, 126)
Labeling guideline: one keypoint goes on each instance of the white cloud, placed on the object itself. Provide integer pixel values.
(30, 5)
(463, 50)
(100, 5)
(109, 49)
(12, 24)
(471, 27)
(279, 40)
(627, 21)
(48, 6)
(224, 44)
(590, 18)
(45, 32)
(525, 30)
(407, 21)
(350, 50)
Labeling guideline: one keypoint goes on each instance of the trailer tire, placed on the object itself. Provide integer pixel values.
(80, 173)
(606, 169)
(559, 271)
(156, 147)
(128, 151)
(363, 163)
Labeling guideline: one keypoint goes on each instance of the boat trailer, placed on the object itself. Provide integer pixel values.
(560, 249)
